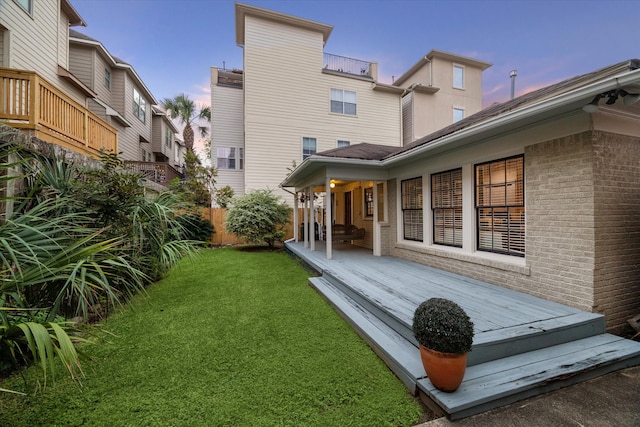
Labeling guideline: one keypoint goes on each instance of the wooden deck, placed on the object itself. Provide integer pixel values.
(523, 345)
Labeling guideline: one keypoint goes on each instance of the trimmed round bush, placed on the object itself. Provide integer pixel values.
(442, 325)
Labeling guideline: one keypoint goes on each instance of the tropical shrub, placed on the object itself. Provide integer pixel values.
(73, 243)
(258, 216)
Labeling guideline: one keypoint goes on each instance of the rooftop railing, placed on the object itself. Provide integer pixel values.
(342, 64)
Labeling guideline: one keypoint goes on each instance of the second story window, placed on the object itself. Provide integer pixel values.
(458, 114)
(343, 102)
(139, 106)
(309, 147)
(458, 77)
(107, 79)
(27, 5)
(167, 138)
(342, 143)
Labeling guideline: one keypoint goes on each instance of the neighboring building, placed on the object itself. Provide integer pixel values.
(540, 194)
(122, 98)
(441, 89)
(34, 59)
(292, 100)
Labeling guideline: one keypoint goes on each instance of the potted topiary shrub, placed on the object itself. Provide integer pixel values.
(445, 334)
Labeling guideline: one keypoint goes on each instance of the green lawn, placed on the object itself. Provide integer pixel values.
(235, 338)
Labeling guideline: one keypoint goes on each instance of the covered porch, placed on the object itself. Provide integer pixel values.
(523, 345)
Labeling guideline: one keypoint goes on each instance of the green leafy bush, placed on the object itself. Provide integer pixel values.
(442, 325)
(195, 227)
(258, 216)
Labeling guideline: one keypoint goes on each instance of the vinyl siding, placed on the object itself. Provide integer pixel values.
(100, 88)
(118, 103)
(227, 131)
(81, 64)
(129, 140)
(38, 42)
(287, 97)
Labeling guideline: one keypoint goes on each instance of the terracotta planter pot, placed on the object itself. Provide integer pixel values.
(445, 370)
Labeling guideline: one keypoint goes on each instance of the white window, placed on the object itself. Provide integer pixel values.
(168, 137)
(107, 79)
(26, 5)
(458, 114)
(309, 147)
(458, 77)
(342, 143)
(241, 158)
(226, 158)
(343, 102)
(139, 106)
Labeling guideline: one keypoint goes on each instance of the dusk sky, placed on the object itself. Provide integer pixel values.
(172, 44)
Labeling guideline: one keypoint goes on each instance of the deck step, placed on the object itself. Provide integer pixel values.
(495, 344)
(504, 381)
(400, 355)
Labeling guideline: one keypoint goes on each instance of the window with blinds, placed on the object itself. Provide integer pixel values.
(412, 209)
(446, 204)
(500, 206)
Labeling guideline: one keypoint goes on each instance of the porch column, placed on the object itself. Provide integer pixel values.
(306, 219)
(377, 251)
(295, 217)
(312, 225)
(329, 243)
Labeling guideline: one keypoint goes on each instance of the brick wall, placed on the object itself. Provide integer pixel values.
(617, 226)
(582, 197)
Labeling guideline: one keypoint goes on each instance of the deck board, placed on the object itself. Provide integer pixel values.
(523, 345)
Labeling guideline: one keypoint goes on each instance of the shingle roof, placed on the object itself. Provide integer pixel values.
(377, 152)
(360, 151)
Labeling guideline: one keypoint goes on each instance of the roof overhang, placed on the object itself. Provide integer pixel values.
(458, 59)
(244, 10)
(75, 20)
(68, 75)
(113, 113)
(316, 168)
(116, 64)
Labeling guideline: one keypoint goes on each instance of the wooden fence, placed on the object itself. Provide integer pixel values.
(221, 238)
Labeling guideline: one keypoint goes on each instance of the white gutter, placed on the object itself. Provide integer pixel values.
(561, 100)
(531, 110)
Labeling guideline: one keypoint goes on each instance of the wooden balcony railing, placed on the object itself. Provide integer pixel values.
(162, 173)
(30, 102)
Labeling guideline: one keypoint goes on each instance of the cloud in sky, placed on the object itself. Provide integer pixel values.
(546, 41)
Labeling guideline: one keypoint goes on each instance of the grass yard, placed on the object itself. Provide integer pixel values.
(235, 338)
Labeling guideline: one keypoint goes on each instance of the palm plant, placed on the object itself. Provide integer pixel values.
(185, 110)
(50, 260)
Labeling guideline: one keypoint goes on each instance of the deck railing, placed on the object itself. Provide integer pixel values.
(162, 173)
(346, 65)
(30, 102)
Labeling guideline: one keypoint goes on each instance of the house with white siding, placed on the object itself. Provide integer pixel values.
(292, 100)
(35, 58)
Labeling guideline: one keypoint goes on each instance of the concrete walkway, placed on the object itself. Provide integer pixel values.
(612, 400)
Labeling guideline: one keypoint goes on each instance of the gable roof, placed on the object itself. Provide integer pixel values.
(549, 102)
(77, 37)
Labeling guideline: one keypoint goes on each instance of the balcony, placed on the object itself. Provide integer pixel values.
(31, 103)
(342, 64)
(161, 173)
